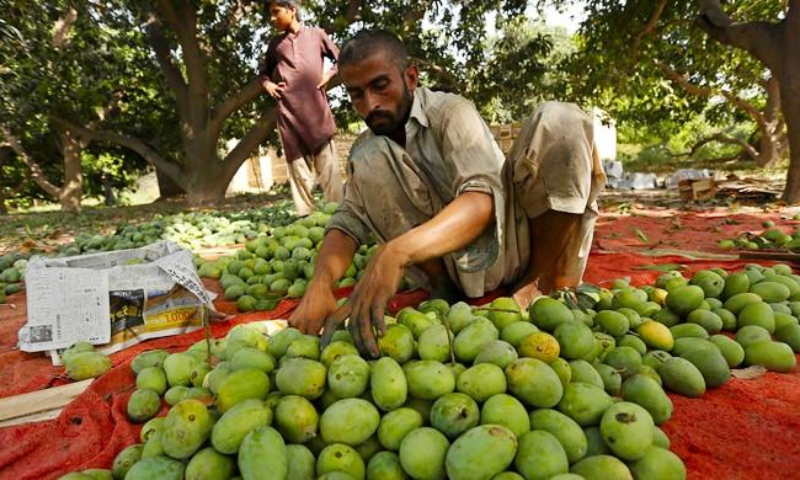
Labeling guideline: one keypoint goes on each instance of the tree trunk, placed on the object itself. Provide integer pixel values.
(206, 179)
(791, 112)
(167, 187)
(71, 192)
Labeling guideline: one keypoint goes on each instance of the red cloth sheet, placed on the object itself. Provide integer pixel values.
(744, 430)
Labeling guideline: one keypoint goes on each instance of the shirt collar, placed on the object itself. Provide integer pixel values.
(418, 107)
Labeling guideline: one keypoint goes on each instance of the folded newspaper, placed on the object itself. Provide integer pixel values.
(112, 299)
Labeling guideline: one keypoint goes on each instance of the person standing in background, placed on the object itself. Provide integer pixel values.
(293, 74)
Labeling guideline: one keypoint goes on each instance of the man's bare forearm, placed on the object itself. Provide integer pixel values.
(335, 256)
(459, 224)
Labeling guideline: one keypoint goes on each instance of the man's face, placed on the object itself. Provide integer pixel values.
(281, 17)
(380, 92)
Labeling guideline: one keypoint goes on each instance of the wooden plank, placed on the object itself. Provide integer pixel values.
(33, 403)
(33, 418)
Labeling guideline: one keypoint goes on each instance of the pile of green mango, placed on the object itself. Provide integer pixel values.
(12, 272)
(279, 264)
(192, 230)
(772, 238)
(459, 392)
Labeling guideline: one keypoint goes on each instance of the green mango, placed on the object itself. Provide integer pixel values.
(143, 405)
(186, 427)
(505, 410)
(469, 342)
(125, 460)
(240, 385)
(584, 403)
(296, 419)
(388, 384)
(659, 464)
(681, 376)
(711, 364)
(350, 421)
(209, 464)
(335, 350)
(395, 425)
(397, 343)
(548, 313)
(566, 430)
(434, 344)
(422, 453)
(301, 376)
(161, 467)
(541, 456)
(497, 352)
(348, 376)
(385, 466)
(647, 393)
(82, 366)
(244, 417)
(602, 467)
(534, 383)
(429, 380)
(482, 381)
(454, 414)
(627, 429)
(341, 458)
(482, 452)
(301, 463)
(775, 356)
(263, 455)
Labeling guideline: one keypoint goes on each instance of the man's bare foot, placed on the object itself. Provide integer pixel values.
(525, 294)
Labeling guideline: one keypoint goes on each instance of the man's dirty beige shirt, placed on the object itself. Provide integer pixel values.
(449, 141)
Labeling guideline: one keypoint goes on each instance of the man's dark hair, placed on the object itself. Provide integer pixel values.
(287, 4)
(367, 43)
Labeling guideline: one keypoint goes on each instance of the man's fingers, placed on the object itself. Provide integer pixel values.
(377, 319)
(356, 319)
(367, 329)
(333, 322)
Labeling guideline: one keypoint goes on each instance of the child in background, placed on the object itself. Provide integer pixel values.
(293, 75)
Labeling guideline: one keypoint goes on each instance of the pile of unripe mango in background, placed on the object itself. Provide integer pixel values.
(279, 264)
(12, 272)
(460, 392)
(772, 238)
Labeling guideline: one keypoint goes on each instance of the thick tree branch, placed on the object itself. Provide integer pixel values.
(247, 145)
(163, 51)
(37, 174)
(183, 22)
(699, 91)
(170, 169)
(648, 29)
(250, 92)
(721, 138)
(758, 38)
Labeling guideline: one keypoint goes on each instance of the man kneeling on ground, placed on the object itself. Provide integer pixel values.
(428, 181)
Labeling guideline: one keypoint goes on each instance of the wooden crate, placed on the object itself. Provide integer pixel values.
(697, 189)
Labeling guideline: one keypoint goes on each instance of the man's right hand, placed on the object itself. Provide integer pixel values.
(273, 89)
(317, 305)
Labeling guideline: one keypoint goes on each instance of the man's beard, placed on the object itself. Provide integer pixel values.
(392, 120)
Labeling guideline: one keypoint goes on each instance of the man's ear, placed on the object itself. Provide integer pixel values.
(411, 77)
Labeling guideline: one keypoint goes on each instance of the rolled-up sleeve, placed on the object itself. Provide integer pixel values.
(477, 163)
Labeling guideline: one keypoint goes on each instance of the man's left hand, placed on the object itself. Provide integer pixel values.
(367, 303)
